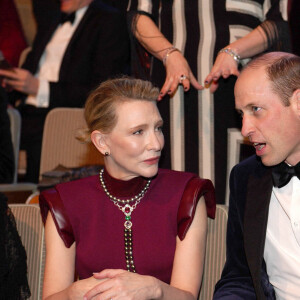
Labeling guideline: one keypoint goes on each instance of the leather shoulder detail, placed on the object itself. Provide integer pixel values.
(51, 201)
(194, 190)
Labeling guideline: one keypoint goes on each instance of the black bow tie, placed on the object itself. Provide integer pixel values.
(283, 173)
(67, 18)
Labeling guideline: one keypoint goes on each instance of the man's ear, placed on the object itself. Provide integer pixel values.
(297, 92)
(296, 97)
(98, 139)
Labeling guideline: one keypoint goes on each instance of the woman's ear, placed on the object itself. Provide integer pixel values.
(98, 139)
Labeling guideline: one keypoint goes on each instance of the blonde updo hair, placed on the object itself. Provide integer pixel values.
(100, 107)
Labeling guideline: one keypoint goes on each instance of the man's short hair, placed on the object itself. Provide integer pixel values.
(283, 71)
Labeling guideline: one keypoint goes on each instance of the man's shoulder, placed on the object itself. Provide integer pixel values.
(251, 161)
(106, 16)
(249, 165)
(105, 8)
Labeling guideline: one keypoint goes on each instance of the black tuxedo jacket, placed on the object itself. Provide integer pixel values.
(244, 275)
(98, 50)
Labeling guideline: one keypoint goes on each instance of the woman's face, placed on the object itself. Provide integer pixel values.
(136, 141)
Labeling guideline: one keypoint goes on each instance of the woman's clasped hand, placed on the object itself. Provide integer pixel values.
(121, 284)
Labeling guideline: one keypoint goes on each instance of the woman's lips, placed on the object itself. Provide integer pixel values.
(152, 161)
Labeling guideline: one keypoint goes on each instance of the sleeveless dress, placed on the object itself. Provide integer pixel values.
(83, 213)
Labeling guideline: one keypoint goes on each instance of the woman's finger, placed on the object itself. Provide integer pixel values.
(213, 86)
(186, 85)
(195, 83)
(108, 273)
(103, 287)
(216, 75)
(208, 80)
(166, 89)
(173, 88)
(226, 74)
(235, 72)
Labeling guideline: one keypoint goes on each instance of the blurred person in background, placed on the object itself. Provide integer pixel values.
(81, 46)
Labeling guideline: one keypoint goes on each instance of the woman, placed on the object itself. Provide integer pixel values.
(133, 216)
(197, 121)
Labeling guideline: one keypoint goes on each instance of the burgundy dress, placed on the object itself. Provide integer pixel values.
(83, 213)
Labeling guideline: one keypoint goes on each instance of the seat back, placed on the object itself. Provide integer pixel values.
(59, 144)
(215, 252)
(15, 128)
(31, 231)
(10, 189)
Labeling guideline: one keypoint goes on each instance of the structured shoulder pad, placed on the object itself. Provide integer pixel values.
(194, 190)
(51, 201)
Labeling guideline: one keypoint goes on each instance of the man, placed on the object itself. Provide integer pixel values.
(263, 233)
(68, 59)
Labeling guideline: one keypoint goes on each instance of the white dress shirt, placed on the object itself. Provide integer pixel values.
(282, 247)
(51, 59)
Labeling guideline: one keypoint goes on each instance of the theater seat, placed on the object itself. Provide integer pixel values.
(31, 231)
(215, 252)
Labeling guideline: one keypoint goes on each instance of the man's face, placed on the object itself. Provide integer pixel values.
(69, 6)
(274, 129)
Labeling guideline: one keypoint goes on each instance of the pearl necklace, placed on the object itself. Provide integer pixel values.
(127, 210)
(113, 198)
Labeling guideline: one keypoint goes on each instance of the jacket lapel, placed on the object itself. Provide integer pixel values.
(259, 191)
(41, 41)
(78, 32)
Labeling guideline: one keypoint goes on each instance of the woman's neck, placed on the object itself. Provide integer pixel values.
(122, 188)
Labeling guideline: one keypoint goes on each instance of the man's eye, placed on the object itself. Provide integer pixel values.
(138, 132)
(256, 108)
(159, 128)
